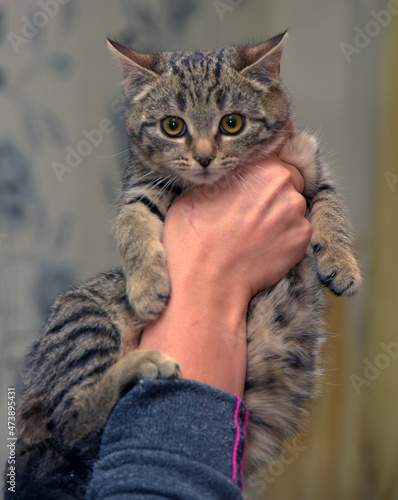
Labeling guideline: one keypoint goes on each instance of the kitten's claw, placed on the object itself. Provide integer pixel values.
(341, 276)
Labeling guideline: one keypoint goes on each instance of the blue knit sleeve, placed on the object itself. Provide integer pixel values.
(174, 439)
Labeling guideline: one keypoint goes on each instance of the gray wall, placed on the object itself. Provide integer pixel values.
(60, 81)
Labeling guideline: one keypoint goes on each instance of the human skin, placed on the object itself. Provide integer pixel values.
(224, 244)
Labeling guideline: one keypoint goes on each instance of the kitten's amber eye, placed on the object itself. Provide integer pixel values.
(173, 126)
(232, 124)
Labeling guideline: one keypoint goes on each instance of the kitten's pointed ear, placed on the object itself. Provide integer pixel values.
(139, 69)
(262, 62)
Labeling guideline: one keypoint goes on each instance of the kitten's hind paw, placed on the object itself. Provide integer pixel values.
(141, 364)
(92, 403)
(150, 364)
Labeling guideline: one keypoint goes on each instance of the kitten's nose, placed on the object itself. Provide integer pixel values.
(203, 151)
(204, 160)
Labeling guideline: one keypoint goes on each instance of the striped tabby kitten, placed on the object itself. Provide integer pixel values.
(193, 118)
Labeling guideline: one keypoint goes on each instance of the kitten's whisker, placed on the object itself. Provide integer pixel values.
(236, 181)
(139, 179)
(155, 183)
(246, 185)
(228, 181)
(115, 154)
(257, 178)
(174, 183)
(145, 190)
(258, 166)
(168, 187)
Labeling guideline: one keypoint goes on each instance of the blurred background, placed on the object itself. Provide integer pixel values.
(62, 142)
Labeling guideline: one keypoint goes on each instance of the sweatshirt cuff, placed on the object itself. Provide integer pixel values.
(168, 434)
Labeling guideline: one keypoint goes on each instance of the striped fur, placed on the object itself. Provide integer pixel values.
(86, 357)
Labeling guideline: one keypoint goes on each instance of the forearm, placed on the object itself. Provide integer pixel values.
(204, 328)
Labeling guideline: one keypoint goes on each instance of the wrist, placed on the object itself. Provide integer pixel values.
(204, 328)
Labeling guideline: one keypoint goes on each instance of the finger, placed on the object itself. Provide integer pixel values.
(297, 178)
(288, 132)
(272, 161)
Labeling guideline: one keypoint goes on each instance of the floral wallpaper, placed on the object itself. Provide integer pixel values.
(42, 73)
(29, 279)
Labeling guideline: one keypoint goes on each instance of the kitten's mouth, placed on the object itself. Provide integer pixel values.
(204, 177)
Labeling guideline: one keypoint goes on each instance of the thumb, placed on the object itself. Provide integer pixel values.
(288, 132)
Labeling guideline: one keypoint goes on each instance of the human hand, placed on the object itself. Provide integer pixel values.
(242, 236)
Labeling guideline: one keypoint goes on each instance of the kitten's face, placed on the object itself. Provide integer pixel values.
(199, 116)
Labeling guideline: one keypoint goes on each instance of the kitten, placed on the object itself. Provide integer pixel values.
(193, 118)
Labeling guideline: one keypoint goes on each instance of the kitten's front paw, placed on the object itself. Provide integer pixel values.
(338, 270)
(301, 150)
(148, 291)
